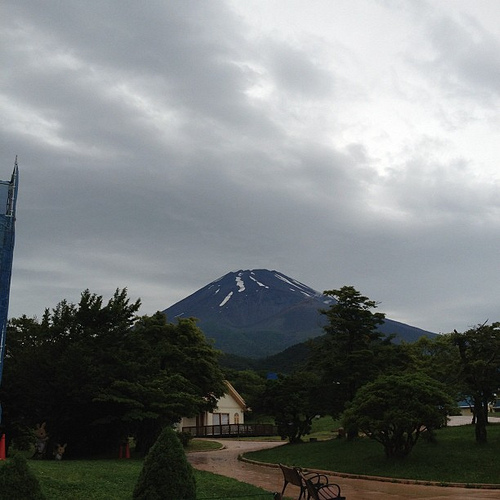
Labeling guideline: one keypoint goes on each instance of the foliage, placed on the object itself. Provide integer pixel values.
(184, 438)
(115, 480)
(353, 351)
(249, 384)
(293, 402)
(454, 458)
(437, 358)
(96, 373)
(18, 481)
(394, 410)
(479, 350)
(166, 474)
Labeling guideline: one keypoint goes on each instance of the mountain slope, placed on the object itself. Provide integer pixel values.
(257, 313)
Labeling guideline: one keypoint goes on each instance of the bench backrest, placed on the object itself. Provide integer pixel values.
(291, 475)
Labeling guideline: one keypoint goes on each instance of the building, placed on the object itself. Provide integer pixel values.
(226, 420)
(8, 196)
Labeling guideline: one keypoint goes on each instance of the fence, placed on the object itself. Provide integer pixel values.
(264, 496)
(232, 430)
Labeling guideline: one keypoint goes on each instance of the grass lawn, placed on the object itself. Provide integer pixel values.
(454, 458)
(115, 480)
(202, 445)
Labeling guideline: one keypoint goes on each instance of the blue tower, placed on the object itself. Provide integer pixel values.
(8, 196)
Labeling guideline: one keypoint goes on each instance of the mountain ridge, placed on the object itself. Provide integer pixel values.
(258, 313)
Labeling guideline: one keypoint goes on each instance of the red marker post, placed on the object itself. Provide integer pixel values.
(2, 447)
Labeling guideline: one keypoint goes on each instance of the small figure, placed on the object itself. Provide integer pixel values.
(41, 441)
(59, 451)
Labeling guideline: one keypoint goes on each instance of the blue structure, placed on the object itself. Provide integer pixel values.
(8, 196)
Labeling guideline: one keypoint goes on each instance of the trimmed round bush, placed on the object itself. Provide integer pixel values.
(18, 481)
(166, 473)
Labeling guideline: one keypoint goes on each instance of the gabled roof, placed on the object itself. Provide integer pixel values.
(235, 395)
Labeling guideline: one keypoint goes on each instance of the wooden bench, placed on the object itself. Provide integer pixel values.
(322, 491)
(297, 477)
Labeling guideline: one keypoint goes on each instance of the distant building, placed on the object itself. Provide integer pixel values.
(226, 420)
(230, 410)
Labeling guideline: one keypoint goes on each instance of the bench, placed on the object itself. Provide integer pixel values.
(297, 477)
(322, 491)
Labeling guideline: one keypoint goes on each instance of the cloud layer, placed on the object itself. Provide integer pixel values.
(164, 144)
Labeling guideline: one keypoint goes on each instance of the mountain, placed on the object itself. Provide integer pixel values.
(258, 313)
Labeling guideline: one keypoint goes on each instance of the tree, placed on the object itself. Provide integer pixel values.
(353, 351)
(96, 373)
(249, 384)
(437, 357)
(395, 409)
(293, 402)
(173, 372)
(166, 474)
(18, 481)
(479, 350)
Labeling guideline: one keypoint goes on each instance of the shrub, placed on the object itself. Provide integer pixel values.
(184, 438)
(166, 474)
(17, 481)
(395, 409)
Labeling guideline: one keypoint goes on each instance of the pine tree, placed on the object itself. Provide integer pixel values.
(166, 473)
(18, 481)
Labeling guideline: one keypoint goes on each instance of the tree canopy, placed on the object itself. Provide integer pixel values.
(479, 350)
(97, 373)
(395, 409)
(293, 402)
(353, 351)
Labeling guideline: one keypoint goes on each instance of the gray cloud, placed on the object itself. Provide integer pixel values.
(163, 145)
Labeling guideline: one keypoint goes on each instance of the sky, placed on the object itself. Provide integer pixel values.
(162, 145)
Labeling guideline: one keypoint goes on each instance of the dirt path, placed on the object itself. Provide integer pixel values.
(226, 463)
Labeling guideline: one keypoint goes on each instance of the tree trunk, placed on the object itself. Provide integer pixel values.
(481, 421)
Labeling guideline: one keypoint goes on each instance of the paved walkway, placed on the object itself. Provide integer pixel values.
(225, 462)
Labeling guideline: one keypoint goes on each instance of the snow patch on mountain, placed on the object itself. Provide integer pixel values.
(226, 299)
(258, 282)
(240, 283)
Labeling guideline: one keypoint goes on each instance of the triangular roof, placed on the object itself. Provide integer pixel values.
(236, 395)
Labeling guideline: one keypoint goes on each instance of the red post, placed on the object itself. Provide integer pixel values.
(127, 451)
(2, 447)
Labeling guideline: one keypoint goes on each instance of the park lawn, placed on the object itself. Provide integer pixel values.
(115, 480)
(455, 457)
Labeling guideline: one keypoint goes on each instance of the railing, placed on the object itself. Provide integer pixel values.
(269, 496)
(232, 430)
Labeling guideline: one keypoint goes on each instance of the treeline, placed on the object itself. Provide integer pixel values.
(96, 373)
(391, 392)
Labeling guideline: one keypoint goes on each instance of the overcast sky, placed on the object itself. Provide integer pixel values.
(162, 144)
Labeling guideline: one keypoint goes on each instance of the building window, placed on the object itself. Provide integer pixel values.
(221, 419)
(236, 418)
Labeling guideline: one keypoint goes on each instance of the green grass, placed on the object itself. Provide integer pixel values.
(202, 445)
(115, 480)
(454, 458)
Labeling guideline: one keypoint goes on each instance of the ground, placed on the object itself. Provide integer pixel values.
(225, 462)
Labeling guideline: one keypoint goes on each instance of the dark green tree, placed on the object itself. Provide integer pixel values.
(18, 481)
(173, 372)
(96, 373)
(438, 358)
(395, 409)
(293, 401)
(353, 351)
(166, 474)
(249, 384)
(479, 350)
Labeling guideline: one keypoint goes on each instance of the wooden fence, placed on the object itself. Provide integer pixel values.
(232, 430)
